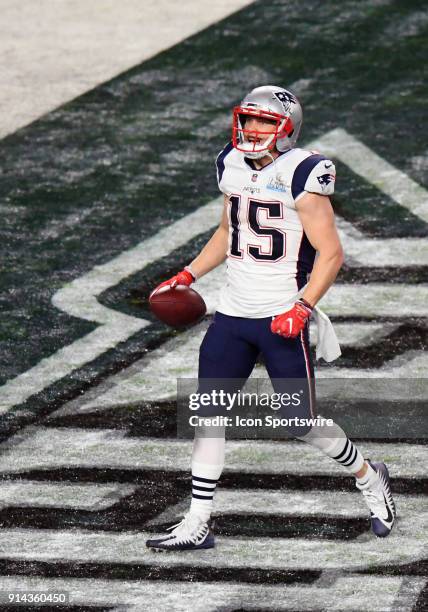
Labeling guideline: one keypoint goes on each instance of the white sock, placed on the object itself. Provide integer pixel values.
(207, 466)
(333, 442)
(369, 477)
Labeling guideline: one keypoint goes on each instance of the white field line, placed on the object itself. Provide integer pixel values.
(62, 49)
(341, 593)
(406, 544)
(262, 502)
(375, 170)
(56, 447)
(79, 298)
(87, 496)
(372, 252)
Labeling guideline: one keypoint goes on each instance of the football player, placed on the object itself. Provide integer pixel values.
(277, 217)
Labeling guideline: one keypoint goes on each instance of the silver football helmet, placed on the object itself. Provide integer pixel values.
(278, 107)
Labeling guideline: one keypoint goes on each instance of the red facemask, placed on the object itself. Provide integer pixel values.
(283, 127)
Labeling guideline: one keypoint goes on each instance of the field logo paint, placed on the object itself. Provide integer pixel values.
(79, 298)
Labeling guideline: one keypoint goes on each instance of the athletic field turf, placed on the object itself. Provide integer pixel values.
(115, 190)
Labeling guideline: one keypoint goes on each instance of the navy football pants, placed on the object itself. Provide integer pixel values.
(232, 345)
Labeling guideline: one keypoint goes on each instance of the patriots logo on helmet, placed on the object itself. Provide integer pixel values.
(325, 179)
(286, 99)
(274, 104)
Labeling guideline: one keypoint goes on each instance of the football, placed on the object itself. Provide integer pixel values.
(178, 306)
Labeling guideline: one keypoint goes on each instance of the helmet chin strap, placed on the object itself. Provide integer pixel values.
(255, 156)
(269, 154)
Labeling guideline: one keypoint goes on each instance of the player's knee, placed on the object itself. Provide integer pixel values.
(298, 431)
(326, 437)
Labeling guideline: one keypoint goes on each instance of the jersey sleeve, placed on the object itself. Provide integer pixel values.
(315, 174)
(321, 179)
(220, 165)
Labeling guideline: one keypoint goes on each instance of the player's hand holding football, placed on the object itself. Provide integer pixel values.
(289, 324)
(185, 277)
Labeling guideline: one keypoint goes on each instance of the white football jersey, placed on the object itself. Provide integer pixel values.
(269, 255)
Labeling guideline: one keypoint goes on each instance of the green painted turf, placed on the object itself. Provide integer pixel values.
(138, 152)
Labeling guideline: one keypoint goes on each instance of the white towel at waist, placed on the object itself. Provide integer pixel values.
(328, 346)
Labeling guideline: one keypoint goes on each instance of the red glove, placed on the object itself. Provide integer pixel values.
(289, 324)
(185, 277)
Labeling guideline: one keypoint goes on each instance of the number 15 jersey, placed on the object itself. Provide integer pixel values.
(269, 255)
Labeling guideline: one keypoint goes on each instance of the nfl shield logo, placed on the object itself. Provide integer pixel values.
(254, 177)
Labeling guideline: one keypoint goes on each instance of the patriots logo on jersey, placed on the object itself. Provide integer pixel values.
(325, 179)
